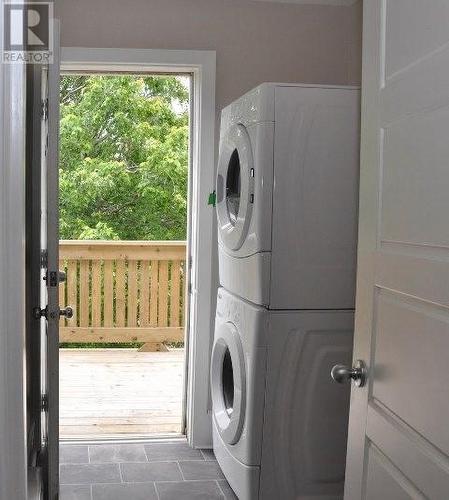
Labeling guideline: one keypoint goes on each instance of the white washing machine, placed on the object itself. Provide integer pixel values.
(279, 423)
(287, 195)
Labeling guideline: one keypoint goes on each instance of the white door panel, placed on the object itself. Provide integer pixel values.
(414, 29)
(415, 457)
(398, 444)
(386, 481)
(419, 333)
(415, 156)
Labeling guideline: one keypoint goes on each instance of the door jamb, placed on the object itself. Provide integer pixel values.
(201, 64)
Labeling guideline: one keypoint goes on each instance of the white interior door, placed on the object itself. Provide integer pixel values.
(50, 272)
(398, 443)
(12, 285)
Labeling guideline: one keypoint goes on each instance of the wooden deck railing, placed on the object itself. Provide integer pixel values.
(123, 291)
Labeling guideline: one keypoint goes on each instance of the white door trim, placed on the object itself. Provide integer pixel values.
(201, 64)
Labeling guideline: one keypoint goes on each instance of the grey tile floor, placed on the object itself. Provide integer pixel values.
(144, 471)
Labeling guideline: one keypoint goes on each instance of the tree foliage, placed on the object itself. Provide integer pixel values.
(123, 157)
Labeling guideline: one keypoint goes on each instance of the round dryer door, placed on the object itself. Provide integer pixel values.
(235, 187)
(228, 383)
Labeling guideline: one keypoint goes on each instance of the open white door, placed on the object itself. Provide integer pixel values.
(49, 276)
(398, 443)
(12, 270)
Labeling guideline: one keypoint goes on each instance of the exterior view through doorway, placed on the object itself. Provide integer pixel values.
(124, 170)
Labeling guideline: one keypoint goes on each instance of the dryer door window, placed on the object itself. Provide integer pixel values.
(228, 383)
(235, 187)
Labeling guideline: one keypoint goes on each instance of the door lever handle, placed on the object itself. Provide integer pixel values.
(43, 313)
(67, 312)
(358, 373)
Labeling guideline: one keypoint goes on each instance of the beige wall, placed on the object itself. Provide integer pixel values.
(255, 41)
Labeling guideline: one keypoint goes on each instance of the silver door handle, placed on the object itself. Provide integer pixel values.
(343, 373)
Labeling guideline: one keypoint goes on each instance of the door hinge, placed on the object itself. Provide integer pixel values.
(52, 278)
(42, 453)
(44, 109)
(44, 258)
(39, 313)
(189, 270)
(44, 402)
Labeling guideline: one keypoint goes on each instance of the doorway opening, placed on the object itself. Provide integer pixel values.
(124, 212)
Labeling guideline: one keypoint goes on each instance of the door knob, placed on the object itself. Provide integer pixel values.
(343, 373)
(67, 312)
(43, 313)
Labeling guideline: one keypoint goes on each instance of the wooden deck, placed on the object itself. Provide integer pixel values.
(116, 392)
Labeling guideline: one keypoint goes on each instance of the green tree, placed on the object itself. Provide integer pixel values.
(123, 157)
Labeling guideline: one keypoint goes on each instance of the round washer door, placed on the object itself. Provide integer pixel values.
(228, 383)
(235, 187)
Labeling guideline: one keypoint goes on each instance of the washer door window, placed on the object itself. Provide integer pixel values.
(235, 187)
(228, 383)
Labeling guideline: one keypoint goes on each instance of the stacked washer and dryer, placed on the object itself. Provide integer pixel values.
(287, 189)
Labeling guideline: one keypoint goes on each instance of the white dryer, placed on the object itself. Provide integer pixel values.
(287, 194)
(279, 423)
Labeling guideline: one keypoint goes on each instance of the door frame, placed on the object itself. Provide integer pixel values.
(201, 65)
(13, 434)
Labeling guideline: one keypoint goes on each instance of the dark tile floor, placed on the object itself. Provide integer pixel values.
(148, 471)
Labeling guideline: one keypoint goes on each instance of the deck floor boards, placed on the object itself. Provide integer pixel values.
(115, 392)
